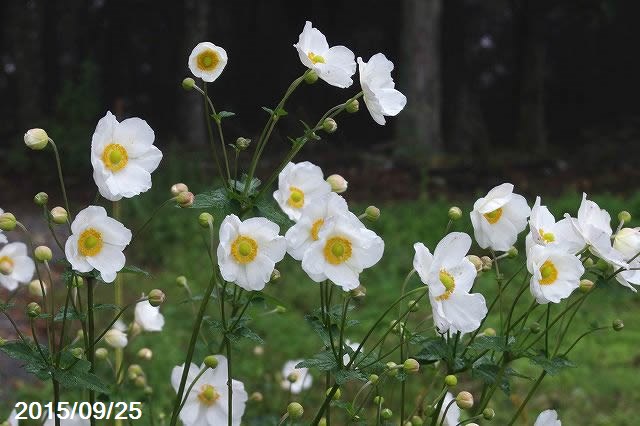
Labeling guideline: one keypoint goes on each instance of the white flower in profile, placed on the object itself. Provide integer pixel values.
(499, 217)
(449, 275)
(452, 416)
(16, 267)
(207, 402)
(545, 231)
(3, 238)
(298, 186)
(302, 234)
(296, 379)
(116, 338)
(149, 317)
(207, 61)
(354, 346)
(123, 157)
(97, 242)
(249, 250)
(379, 93)
(548, 418)
(627, 243)
(335, 65)
(555, 274)
(344, 249)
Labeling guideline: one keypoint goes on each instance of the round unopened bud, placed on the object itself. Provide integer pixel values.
(156, 297)
(148, 390)
(77, 352)
(512, 252)
(411, 366)
(373, 378)
(8, 222)
(476, 261)
(116, 338)
(145, 354)
(188, 83)
(535, 328)
(59, 215)
(140, 382)
(41, 198)
(455, 213)
(293, 377)
(378, 400)
(6, 266)
(360, 291)
(311, 77)
(386, 413)
(280, 309)
(181, 281)
(488, 413)
(353, 106)
(489, 332)
(624, 216)
(295, 410)
(588, 262)
(178, 188)
(372, 213)
(487, 263)
(35, 288)
(322, 422)
(617, 325)
(464, 400)
(258, 351)
(205, 219)
(451, 380)
(338, 183)
(36, 139)
(416, 421)
(256, 396)
(329, 125)
(43, 254)
(33, 310)
(602, 265)
(275, 276)
(80, 335)
(185, 199)
(336, 395)
(428, 409)
(242, 143)
(135, 370)
(586, 285)
(102, 353)
(392, 368)
(211, 361)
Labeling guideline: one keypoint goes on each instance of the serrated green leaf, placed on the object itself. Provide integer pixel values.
(6, 306)
(492, 343)
(72, 315)
(318, 327)
(344, 376)
(323, 361)
(433, 349)
(131, 269)
(489, 372)
(218, 203)
(77, 376)
(239, 185)
(269, 208)
(552, 366)
(244, 332)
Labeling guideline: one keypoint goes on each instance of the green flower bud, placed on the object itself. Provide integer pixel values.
(41, 198)
(429, 410)
(295, 410)
(156, 297)
(145, 354)
(535, 328)
(588, 262)
(311, 77)
(211, 361)
(464, 400)
(33, 310)
(181, 281)
(353, 106)
(392, 368)
(477, 262)
(386, 413)
(455, 213)
(586, 285)
(148, 390)
(487, 263)
(512, 252)
(413, 306)
(140, 382)
(242, 143)
(275, 276)
(372, 213)
(378, 400)
(256, 396)
(416, 421)
(134, 371)
(489, 332)
(59, 215)
(411, 366)
(8, 222)
(322, 422)
(488, 413)
(205, 219)
(177, 188)
(624, 216)
(602, 265)
(77, 281)
(102, 353)
(36, 139)
(188, 83)
(329, 125)
(293, 377)
(43, 254)
(373, 378)
(77, 352)
(35, 288)
(185, 199)
(617, 325)
(336, 395)
(451, 380)
(338, 183)
(280, 309)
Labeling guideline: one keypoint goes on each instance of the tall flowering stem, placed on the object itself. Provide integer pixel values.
(90, 339)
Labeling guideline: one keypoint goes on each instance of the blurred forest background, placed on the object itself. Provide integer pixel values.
(536, 91)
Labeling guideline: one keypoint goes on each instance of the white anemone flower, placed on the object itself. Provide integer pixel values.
(97, 242)
(452, 417)
(379, 92)
(449, 275)
(149, 317)
(16, 267)
(354, 346)
(298, 186)
(207, 61)
(123, 157)
(545, 231)
(3, 238)
(249, 250)
(344, 249)
(335, 65)
(627, 243)
(548, 418)
(116, 338)
(499, 217)
(296, 379)
(207, 402)
(555, 274)
(301, 235)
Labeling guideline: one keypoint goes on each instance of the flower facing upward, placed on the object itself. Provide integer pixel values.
(149, 317)
(548, 418)
(16, 267)
(450, 275)
(555, 274)
(499, 217)
(627, 243)
(97, 242)
(207, 61)
(379, 93)
(207, 402)
(296, 379)
(249, 250)
(298, 186)
(334, 65)
(452, 417)
(545, 231)
(123, 157)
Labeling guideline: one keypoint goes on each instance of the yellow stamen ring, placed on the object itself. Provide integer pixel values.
(296, 197)
(208, 395)
(315, 228)
(449, 284)
(337, 250)
(548, 273)
(244, 249)
(208, 60)
(90, 242)
(316, 59)
(494, 216)
(115, 157)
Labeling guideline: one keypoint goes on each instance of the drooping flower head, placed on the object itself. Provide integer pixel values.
(123, 157)
(116, 338)
(545, 231)
(555, 274)
(16, 267)
(335, 65)
(450, 275)
(149, 317)
(298, 186)
(627, 244)
(296, 379)
(499, 217)
(207, 61)
(207, 402)
(548, 418)
(97, 242)
(379, 93)
(249, 250)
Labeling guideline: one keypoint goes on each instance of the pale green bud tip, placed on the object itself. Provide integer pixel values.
(392, 368)
(35, 288)
(33, 310)
(360, 291)
(275, 276)
(624, 216)
(145, 354)
(411, 365)
(586, 285)
(148, 390)
(329, 125)
(588, 262)
(188, 83)
(336, 395)
(256, 396)
(311, 77)
(43, 253)
(185, 199)
(7, 222)
(205, 219)
(77, 352)
(280, 309)
(243, 143)
(372, 213)
(258, 351)
(378, 400)
(488, 413)
(41, 198)
(59, 215)
(338, 183)
(464, 400)
(77, 282)
(295, 410)
(134, 370)
(211, 361)
(178, 188)
(487, 263)
(489, 332)
(451, 380)
(353, 106)
(416, 421)
(413, 305)
(181, 281)
(386, 413)
(512, 252)
(322, 422)
(373, 378)
(618, 325)
(455, 213)
(102, 353)
(535, 328)
(36, 139)
(156, 297)
(292, 377)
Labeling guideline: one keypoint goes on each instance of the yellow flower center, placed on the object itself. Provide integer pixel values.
(494, 216)
(449, 284)
(208, 395)
(315, 228)
(316, 59)
(115, 157)
(547, 236)
(6, 265)
(548, 272)
(337, 250)
(90, 242)
(296, 197)
(208, 60)
(244, 249)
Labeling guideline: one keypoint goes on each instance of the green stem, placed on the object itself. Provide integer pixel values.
(586, 333)
(138, 231)
(229, 384)
(207, 114)
(91, 330)
(526, 400)
(61, 179)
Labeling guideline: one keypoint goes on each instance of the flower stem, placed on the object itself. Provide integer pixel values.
(117, 295)
(207, 114)
(229, 384)
(526, 400)
(61, 179)
(91, 331)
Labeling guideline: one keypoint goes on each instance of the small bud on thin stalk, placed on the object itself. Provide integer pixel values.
(451, 380)
(41, 198)
(35, 288)
(33, 310)
(329, 125)
(156, 297)
(211, 361)
(338, 183)
(372, 213)
(185, 199)
(295, 410)
(43, 254)
(188, 83)
(617, 325)
(455, 213)
(36, 139)
(464, 400)
(8, 222)
(204, 219)
(352, 106)
(177, 188)
(59, 215)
